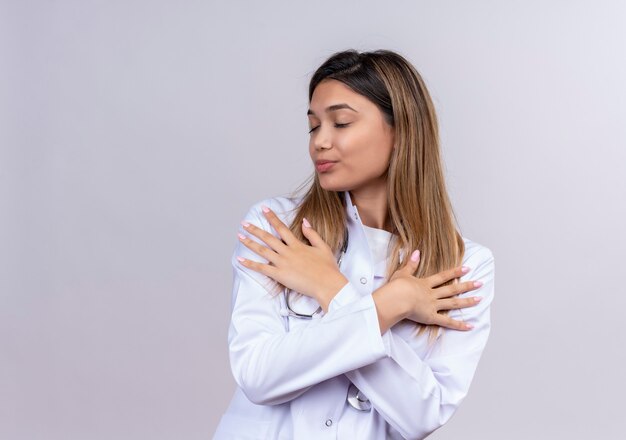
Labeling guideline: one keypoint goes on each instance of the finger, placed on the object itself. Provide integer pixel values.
(446, 275)
(258, 248)
(256, 266)
(457, 303)
(270, 239)
(312, 235)
(446, 321)
(411, 263)
(455, 289)
(282, 229)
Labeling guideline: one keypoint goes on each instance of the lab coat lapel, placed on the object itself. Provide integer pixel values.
(358, 266)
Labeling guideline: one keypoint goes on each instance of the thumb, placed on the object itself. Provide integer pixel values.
(312, 235)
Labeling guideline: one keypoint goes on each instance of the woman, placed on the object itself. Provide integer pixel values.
(334, 333)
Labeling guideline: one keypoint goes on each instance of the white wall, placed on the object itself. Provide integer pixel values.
(135, 134)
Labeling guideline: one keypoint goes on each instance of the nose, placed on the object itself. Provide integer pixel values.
(321, 140)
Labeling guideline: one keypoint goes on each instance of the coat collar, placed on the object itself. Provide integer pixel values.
(351, 209)
(356, 229)
(358, 246)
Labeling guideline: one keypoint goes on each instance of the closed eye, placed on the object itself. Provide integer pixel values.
(336, 126)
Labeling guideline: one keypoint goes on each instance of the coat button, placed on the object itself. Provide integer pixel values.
(363, 280)
(329, 422)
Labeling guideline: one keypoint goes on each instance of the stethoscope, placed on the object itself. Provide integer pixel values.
(355, 398)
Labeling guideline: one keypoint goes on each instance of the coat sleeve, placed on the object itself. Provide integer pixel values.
(273, 365)
(417, 396)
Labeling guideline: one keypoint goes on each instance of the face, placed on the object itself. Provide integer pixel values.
(349, 130)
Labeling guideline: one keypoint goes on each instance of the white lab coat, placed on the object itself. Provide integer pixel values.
(293, 374)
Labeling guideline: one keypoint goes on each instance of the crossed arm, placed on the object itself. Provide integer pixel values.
(414, 394)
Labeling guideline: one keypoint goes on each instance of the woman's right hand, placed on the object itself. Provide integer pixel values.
(425, 296)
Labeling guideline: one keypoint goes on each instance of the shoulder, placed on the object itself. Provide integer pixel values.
(285, 208)
(481, 262)
(476, 252)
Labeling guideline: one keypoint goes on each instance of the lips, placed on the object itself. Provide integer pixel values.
(324, 165)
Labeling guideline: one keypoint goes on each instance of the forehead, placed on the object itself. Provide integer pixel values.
(331, 92)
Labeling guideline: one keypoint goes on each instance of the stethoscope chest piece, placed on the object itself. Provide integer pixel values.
(357, 400)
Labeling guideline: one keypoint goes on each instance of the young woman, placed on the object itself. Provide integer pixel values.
(358, 309)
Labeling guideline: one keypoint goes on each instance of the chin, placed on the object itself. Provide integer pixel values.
(333, 185)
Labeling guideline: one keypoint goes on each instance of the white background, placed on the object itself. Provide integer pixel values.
(134, 135)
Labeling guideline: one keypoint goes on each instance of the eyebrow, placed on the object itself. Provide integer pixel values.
(332, 108)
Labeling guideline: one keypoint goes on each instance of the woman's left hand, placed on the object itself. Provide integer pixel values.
(310, 270)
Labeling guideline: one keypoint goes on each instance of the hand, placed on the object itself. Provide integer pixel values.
(425, 299)
(310, 270)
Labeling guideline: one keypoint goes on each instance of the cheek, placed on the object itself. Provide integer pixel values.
(369, 153)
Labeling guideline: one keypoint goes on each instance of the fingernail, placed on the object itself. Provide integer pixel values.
(241, 259)
(478, 283)
(306, 222)
(245, 224)
(469, 326)
(465, 269)
(415, 255)
(265, 209)
(478, 299)
(241, 236)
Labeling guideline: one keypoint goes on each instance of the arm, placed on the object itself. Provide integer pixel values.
(391, 306)
(272, 365)
(417, 396)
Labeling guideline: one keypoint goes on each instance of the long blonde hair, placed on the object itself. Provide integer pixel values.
(419, 207)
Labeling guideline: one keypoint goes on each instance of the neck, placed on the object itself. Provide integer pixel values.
(373, 206)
